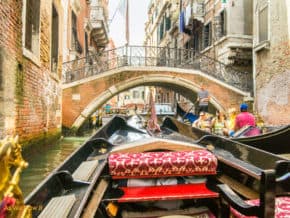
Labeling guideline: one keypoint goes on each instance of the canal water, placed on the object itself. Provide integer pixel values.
(43, 159)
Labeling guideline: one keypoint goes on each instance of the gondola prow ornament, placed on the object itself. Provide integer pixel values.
(11, 165)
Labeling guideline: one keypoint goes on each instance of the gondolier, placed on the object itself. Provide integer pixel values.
(203, 99)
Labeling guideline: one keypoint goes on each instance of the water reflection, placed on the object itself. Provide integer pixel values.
(43, 159)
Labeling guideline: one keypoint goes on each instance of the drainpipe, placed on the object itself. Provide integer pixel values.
(254, 80)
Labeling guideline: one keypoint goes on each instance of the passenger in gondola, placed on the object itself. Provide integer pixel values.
(245, 119)
(203, 122)
(219, 124)
(232, 113)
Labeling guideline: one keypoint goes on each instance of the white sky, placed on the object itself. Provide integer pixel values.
(137, 18)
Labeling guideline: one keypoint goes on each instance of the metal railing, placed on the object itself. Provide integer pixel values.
(154, 56)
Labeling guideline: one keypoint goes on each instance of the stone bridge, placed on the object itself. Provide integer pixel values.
(91, 81)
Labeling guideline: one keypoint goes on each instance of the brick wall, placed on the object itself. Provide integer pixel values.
(10, 51)
(31, 93)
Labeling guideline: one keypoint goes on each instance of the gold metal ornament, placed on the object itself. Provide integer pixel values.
(11, 166)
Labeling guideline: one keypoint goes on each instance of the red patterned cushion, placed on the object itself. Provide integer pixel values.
(158, 164)
(282, 208)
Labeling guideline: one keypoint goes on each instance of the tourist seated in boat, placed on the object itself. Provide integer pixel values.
(203, 122)
(244, 119)
(231, 114)
(219, 124)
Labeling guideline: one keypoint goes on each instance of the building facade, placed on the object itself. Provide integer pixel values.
(226, 35)
(85, 28)
(36, 37)
(218, 29)
(251, 37)
(271, 54)
(161, 31)
(31, 57)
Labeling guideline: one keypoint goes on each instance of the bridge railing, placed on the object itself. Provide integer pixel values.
(156, 57)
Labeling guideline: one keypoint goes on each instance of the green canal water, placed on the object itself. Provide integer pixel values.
(43, 159)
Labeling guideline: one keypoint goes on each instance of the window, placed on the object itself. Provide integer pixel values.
(31, 26)
(75, 45)
(88, 59)
(158, 98)
(195, 42)
(223, 23)
(161, 30)
(207, 35)
(167, 23)
(135, 94)
(86, 44)
(187, 51)
(220, 25)
(54, 40)
(263, 25)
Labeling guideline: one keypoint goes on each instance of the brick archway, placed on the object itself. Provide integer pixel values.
(82, 98)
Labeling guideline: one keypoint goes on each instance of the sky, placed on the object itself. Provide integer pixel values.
(137, 18)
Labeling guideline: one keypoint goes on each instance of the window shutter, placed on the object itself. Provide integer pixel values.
(167, 23)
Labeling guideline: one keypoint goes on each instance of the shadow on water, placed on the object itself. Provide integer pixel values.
(43, 159)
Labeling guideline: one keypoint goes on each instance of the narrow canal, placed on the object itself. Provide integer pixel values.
(43, 159)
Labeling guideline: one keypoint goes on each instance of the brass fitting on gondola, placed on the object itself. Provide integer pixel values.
(11, 166)
(112, 209)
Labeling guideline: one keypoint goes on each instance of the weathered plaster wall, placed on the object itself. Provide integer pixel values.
(273, 68)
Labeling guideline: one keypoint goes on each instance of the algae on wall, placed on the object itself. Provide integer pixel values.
(41, 139)
(19, 88)
(7, 92)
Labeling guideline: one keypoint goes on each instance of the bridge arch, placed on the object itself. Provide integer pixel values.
(81, 98)
(185, 87)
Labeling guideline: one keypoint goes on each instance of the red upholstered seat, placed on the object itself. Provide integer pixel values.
(166, 192)
(282, 208)
(160, 164)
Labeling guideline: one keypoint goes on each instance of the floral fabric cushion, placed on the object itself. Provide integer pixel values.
(160, 164)
(282, 208)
